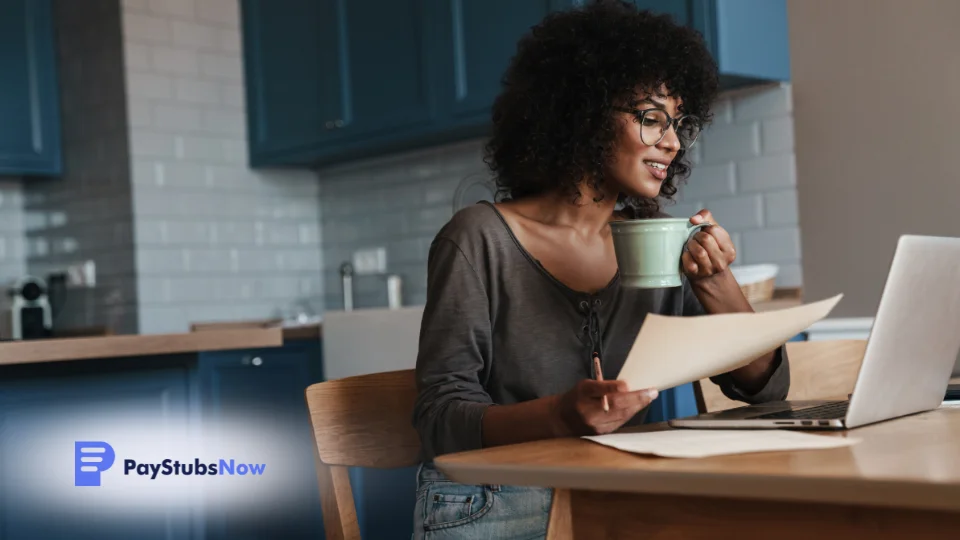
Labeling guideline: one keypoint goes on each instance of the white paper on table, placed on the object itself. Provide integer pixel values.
(698, 443)
(671, 350)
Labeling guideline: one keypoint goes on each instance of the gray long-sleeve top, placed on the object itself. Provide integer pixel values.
(499, 329)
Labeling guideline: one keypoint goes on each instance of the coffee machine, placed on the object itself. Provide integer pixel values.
(28, 314)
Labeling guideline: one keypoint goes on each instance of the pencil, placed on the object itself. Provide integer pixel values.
(598, 374)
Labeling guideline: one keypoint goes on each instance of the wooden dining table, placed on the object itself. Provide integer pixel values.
(901, 480)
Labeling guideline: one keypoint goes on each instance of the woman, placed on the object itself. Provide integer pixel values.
(599, 109)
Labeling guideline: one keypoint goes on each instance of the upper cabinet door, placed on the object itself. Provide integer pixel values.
(29, 97)
(680, 10)
(479, 38)
(296, 95)
(384, 46)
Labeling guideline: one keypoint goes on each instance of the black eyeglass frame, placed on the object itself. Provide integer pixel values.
(671, 122)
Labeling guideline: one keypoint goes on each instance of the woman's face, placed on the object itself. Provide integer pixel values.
(639, 168)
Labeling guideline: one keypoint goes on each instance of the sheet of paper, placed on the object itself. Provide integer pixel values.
(698, 443)
(672, 350)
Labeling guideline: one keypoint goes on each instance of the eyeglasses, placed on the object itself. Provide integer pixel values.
(655, 122)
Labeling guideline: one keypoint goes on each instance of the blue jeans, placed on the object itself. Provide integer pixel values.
(448, 510)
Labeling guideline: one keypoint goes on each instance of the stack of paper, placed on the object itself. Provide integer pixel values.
(670, 351)
(691, 443)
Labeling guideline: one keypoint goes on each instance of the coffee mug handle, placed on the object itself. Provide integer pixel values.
(693, 230)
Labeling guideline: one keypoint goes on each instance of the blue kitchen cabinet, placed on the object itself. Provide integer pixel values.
(29, 98)
(263, 390)
(747, 38)
(477, 41)
(325, 79)
(44, 409)
(295, 90)
(327, 82)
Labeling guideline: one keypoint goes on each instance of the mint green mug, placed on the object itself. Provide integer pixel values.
(649, 250)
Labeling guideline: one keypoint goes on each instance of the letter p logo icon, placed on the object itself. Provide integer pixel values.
(90, 459)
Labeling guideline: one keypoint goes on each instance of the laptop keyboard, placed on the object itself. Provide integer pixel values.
(827, 411)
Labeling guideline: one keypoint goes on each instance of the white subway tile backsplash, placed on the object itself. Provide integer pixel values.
(150, 145)
(221, 66)
(781, 208)
(790, 275)
(723, 111)
(160, 319)
(221, 12)
(175, 61)
(772, 245)
(740, 213)
(137, 56)
(723, 143)
(149, 86)
(763, 103)
(224, 122)
(175, 118)
(201, 149)
(683, 209)
(234, 95)
(710, 181)
(158, 261)
(176, 8)
(229, 40)
(768, 172)
(195, 36)
(777, 135)
(139, 28)
(196, 91)
(140, 115)
(153, 290)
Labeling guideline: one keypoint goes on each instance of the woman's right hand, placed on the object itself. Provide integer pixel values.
(580, 411)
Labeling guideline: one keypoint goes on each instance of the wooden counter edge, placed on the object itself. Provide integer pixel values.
(307, 331)
(882, 493)
(89, 348)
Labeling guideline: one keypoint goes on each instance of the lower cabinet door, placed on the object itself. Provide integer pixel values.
(254, 406)
(43, 414)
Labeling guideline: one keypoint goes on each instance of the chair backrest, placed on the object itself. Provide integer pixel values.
(361, 421)
(818, 370)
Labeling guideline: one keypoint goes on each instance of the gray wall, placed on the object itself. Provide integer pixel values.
(86, 213)
(746, 177)
(215, 240)
(876, 89)
(13, 259)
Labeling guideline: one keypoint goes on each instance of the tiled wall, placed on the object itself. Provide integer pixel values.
(746, 176)
(86, 213)
(13, 259)
(215, 240)
(397, 202)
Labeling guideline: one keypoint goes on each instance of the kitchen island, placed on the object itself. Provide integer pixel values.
(154, 397)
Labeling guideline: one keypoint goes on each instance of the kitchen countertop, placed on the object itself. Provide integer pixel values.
(304, 331)
(89, 348)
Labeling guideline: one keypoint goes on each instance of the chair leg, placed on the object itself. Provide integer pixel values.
(560, 526)
(336, 500)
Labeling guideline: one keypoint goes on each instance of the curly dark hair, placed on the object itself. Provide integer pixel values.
(553, 123)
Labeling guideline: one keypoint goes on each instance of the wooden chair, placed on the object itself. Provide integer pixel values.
(365, 421)
(818, 370)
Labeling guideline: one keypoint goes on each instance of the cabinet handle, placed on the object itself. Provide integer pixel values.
(338, 123)
(329, 124)
(256, 361)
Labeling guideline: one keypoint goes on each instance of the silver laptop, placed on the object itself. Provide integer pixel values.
(909, 357)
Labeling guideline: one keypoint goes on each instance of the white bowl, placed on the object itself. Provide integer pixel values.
(754, 273)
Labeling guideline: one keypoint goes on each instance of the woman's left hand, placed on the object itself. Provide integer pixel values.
(710, 251)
